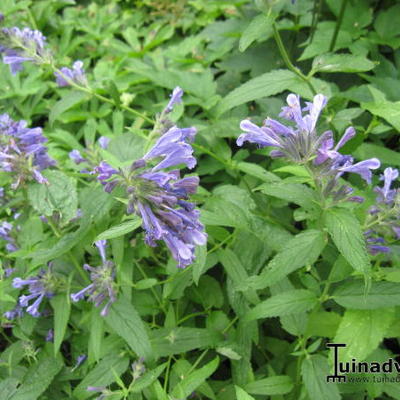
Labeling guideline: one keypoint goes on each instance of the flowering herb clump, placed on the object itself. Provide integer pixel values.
(161, 196)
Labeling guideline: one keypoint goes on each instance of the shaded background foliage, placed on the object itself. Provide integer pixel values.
(233, 59)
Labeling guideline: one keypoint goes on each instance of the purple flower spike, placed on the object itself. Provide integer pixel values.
(102, 286)
(176, 98)
(76, 156)
(76, 74)
(39, 287)
(21, 45)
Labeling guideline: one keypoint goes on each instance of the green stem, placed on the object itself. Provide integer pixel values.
(315, 18)
(338, 25)
(286, 59)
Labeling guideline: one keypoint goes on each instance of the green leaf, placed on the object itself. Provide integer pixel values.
(191, 382)
(271, 386)
(127, 147)
(70, 99)
(259, 28)
(126, 322)
(362, 331)
(293, 192)
(386, 156)
(38, 378)
(301, 250)
(331, 62)
(257, 171)
(120, 229)
(199, 263)
(347, 235)
(59, 195)
(242, 395)
(314, 371)
(168, 342)
(8, 387)
(96, 335)
(380, 295)
(228, 352)
(103, 374)
(286, 303)
(62, 308)
(147, 378)
(388, 110)
(268, 84)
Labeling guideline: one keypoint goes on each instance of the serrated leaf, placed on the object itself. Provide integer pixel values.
(314, 371)
(347, 235)
(70, 99)
(362, 331)
(301, 250)
(167, 342)
(59, 195)
(271, 386)
(380, 295)
(331, 62)
(388, 110)
(293, 192)
(259, 28)
(192, 381)
(120, 229)
(38, 378)
(286, 303)
(199, 263)
(62, 307)
(126, 322)
(385, 155)
(257, 171)
(102, 374)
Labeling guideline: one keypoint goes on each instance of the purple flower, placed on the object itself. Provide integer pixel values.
(6, 229)
(22, 151)
(138, 368)
(79, 360)
(176, 98)
(386, 194)
(362, 168)
(102, 287)
(76, 156)
(16, 312)
(174, 149)
(76, 74)
(39, 287)
(103, 142)
(50, 335)
(20, 45)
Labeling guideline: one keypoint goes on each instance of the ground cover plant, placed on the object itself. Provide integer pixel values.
(197, 197)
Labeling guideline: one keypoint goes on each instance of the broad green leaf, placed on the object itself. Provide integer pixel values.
(228, 352)
(70, 99)
(286, 303)
(191, 382)
(127, 147)
(268, 84)
(259, 28)
(59, 195)
(347, 235)
(271, 386)
(62, 308)
(65, 244)
(362, 331)
(341, 63)
(38, 378)
(293, 192)
(237, 273)
(314, 371)
(380, 295)
(369, 150)
(96, 335)
(147, 378)
(257, 171)
(386, 24)
(299, 251)
(388, 110)
(102, 374)
(126, 322)
(167, 342)
(323, 323)
(242, 395)
(8, 387)
(120, 229)
(199, 263)
(145, 283)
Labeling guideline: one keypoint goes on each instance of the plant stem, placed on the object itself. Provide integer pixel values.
(286, 59)
(338, 25)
